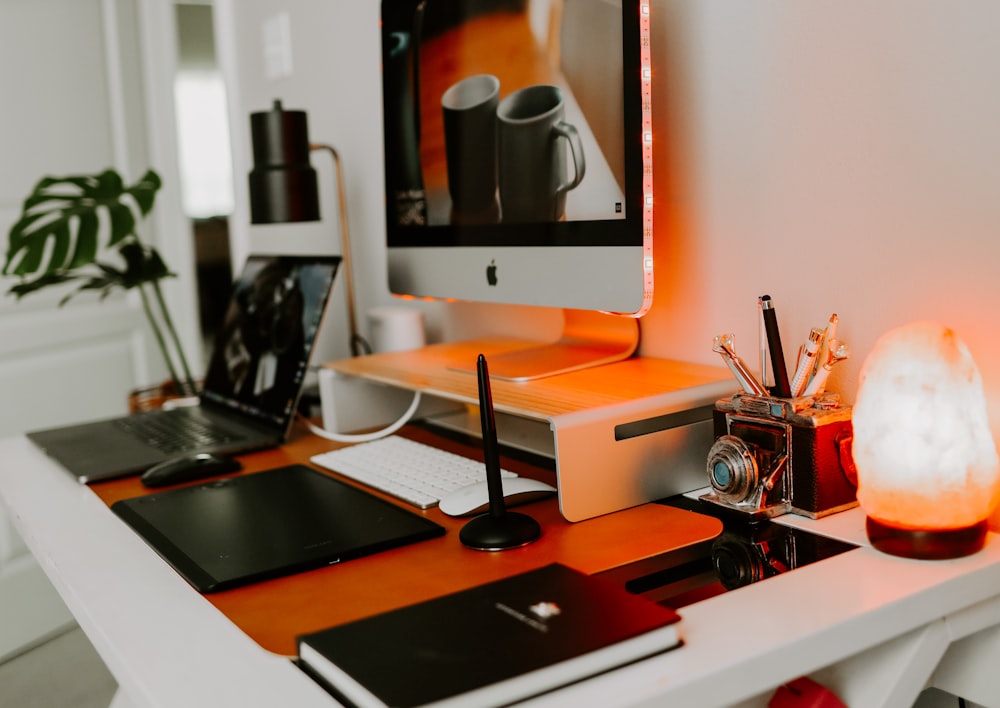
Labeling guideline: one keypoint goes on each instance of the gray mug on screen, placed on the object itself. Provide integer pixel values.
(469, 110)
(532, 139)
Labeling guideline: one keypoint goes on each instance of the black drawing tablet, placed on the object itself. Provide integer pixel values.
(241, 530)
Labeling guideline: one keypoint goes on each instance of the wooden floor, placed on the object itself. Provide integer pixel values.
(63, 672)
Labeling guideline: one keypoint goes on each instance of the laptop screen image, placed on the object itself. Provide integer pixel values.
(262, 350)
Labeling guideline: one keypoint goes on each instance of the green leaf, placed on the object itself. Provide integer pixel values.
(60, 225)
(60, 249)
(17, 240)
(86, 239)
(122, 222)
(144, 191)
(31, 258)
(109, 185)
(142, 265)
(25, 287)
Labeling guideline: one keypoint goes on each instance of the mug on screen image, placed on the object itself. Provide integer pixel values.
(469, 109)
(535, 146)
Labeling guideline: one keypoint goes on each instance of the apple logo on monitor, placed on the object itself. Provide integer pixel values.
(491, 273)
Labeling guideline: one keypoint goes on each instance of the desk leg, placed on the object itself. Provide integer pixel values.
(969, 668)
(891, 674)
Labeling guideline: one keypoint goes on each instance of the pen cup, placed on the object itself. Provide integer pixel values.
(774, 456)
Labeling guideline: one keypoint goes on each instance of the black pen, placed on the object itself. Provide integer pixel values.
(782, 389)
(491, 449)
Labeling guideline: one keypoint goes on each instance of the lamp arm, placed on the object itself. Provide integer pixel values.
(358, 344)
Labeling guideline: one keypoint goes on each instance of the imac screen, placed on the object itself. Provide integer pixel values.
(516, 164)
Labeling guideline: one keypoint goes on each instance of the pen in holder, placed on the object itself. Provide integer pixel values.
(498, 529)
(781, 385)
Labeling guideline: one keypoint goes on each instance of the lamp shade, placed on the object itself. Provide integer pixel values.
(283, 185)
(928, 472)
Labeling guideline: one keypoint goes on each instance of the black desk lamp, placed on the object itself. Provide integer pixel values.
(284, 188)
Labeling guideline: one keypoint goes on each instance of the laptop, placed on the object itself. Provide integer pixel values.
(250, 391)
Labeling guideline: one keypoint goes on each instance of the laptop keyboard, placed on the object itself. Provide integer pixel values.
(416, 473)
(177, 432)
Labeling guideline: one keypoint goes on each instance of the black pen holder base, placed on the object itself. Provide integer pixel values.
(489, 533)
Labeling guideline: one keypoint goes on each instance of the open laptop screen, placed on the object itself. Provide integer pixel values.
(262, 350)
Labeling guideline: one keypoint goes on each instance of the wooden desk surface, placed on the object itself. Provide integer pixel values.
(274, 612)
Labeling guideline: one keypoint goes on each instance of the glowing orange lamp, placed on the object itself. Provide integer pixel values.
(928, 471)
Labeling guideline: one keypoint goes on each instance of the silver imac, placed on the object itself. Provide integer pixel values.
(518, 164)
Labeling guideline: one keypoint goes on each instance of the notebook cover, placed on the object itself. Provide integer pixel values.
(492, 644)
(236, 531)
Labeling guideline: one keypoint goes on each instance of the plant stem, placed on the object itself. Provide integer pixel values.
(188, 384)
(159, 336)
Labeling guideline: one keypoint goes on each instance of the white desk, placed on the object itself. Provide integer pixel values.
(869, 626)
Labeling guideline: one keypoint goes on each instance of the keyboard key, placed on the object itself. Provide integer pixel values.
(174, 432)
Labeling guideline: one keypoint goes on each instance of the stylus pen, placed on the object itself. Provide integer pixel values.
(491, 449)
(766, 377)
(782, 389)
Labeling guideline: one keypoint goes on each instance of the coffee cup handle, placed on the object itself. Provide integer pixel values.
(564, 129)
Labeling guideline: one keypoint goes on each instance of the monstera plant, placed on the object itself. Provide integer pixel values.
(67, 229)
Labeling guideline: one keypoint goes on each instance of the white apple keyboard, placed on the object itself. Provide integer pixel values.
(416, 473)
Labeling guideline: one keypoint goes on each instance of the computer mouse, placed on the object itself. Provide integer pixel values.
(187, 468)
(474, 499)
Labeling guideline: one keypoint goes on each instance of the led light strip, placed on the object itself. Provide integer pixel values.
(646, 67)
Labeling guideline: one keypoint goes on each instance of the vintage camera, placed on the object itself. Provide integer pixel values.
(773, 456)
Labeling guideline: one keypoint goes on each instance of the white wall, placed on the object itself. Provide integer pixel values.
(335, 78)
(842, 157)
(87, 84)
(74, 76)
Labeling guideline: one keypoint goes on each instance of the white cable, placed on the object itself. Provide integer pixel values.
(365, 437)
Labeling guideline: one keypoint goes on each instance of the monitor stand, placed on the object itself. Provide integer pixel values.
(589, 338)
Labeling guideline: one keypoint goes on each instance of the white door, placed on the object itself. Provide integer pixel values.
(84, 85)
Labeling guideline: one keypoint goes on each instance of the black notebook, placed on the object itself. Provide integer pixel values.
(492, 644)
(236, 531)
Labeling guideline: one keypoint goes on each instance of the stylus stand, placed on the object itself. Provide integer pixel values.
(510, 530)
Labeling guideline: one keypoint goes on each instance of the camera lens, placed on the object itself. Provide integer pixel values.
(736, 563)
(732, 468)
(721, 475)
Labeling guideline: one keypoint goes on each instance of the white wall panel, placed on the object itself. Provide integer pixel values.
(58, 383)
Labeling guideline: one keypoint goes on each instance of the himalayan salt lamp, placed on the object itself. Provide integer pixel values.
(928, 472)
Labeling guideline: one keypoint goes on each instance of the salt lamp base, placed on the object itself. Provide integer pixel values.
(924, 544)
